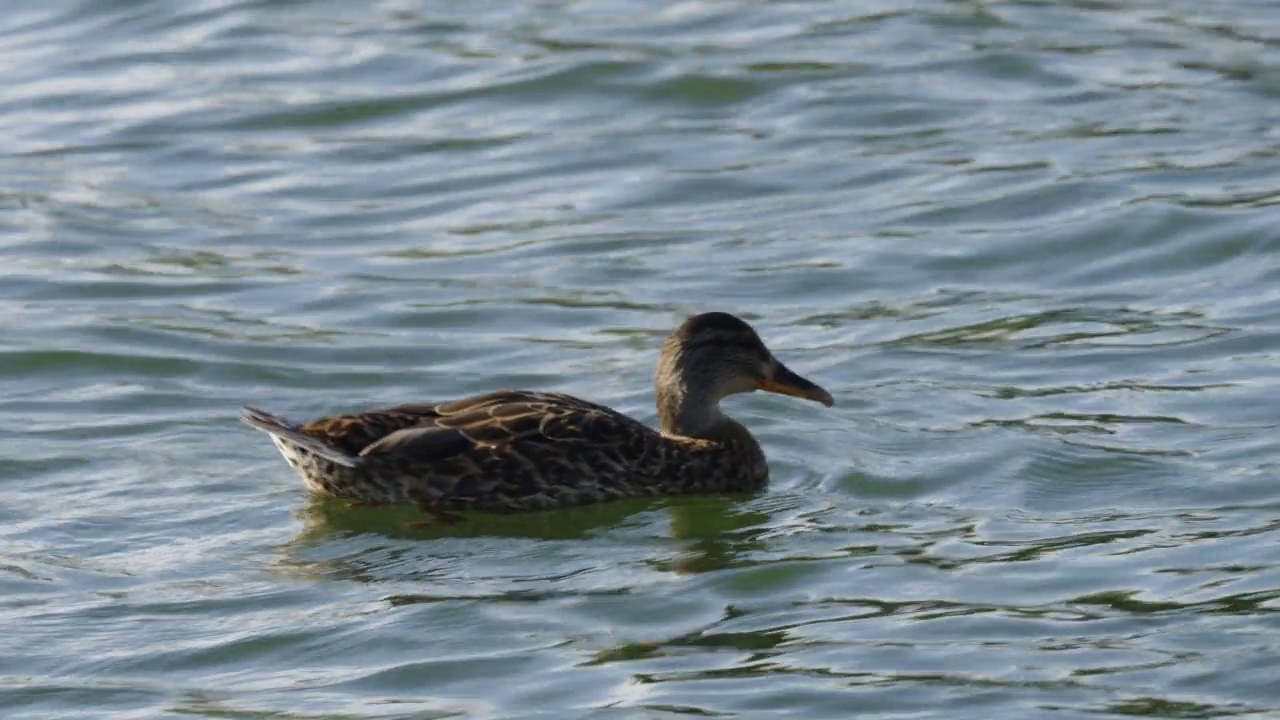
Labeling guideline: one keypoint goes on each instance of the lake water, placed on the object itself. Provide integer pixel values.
(1032, 248)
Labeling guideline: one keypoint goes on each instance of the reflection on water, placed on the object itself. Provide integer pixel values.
(703, 533)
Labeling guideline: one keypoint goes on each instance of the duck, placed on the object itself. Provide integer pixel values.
(521, 450)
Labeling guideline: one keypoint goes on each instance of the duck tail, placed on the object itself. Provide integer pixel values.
(280, 428)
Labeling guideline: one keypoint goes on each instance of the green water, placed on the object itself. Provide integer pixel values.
(1032, 248)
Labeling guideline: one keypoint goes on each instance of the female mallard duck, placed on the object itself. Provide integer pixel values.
(515, 450)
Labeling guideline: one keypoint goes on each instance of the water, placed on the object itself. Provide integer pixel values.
(1029, 246)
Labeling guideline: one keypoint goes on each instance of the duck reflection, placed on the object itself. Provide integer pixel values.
(712, 532)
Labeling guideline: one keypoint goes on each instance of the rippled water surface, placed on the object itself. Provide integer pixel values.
(1031, 247)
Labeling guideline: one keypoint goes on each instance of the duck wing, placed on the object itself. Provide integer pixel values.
(497, 420)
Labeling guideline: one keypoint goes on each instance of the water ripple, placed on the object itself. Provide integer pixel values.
(1028, 246)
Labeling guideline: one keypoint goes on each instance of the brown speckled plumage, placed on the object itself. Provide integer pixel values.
(516, 450)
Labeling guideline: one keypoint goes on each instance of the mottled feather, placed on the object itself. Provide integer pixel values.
(514, 450)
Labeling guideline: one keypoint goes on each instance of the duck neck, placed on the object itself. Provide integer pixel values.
(683, 415)
(683, 412)
(715, 466)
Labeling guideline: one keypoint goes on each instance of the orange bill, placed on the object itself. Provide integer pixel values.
(785, 382)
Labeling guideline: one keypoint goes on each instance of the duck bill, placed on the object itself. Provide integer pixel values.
(785, 382)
